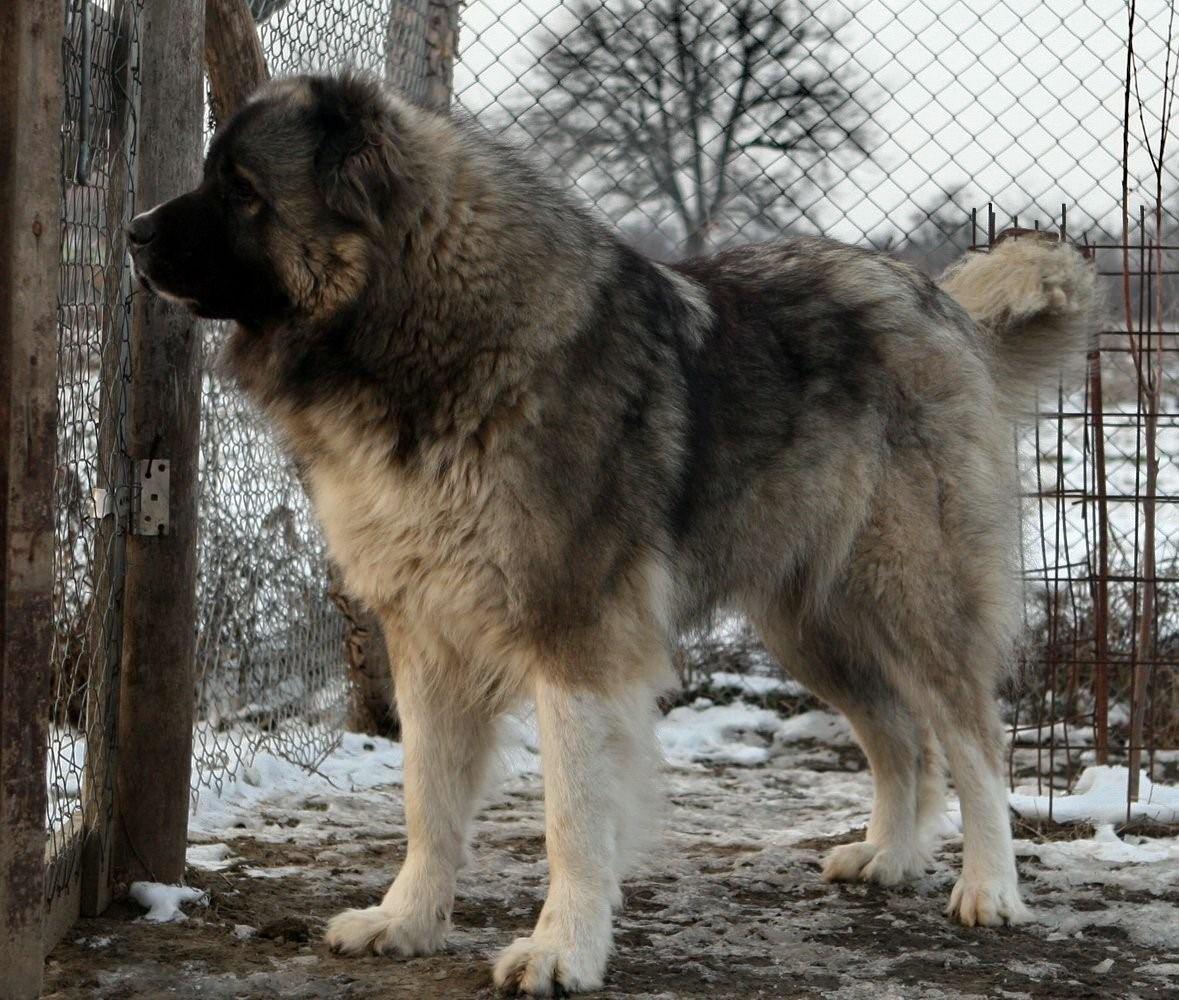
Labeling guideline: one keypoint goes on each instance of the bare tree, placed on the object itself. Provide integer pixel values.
(713, 113)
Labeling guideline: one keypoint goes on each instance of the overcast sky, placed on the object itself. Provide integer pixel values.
(1013, 100)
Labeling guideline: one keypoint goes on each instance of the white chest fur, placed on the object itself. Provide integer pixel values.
(419, 546)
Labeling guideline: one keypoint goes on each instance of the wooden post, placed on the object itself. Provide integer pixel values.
(442, 27)
(152, 771)
(406, 55)
(104, 645)
(30, 255)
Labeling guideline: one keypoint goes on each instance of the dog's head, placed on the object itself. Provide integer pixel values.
(298, 188)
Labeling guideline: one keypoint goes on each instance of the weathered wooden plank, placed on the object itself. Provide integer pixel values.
(30, 253)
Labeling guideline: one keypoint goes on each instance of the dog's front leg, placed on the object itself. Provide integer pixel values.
(447, 746)
(581, 733)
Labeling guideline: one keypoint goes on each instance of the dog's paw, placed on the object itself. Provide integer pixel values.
(376, 931)
(845, 862)
(893, 865)
(866, 862)
(987, 903)
(540, 967)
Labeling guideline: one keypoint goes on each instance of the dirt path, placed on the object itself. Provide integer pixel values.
(730, 905)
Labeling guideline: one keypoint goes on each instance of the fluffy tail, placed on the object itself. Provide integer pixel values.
(1035, 301)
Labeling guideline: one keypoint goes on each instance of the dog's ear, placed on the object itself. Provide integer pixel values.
(357, 162)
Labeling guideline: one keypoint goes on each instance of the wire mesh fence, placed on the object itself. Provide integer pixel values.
(1099, 680)
(270, 660)
(693, 123)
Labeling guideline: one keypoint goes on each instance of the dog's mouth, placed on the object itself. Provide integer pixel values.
(143, 280)
(153, 288)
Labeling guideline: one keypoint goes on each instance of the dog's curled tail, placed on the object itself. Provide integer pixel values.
(1035, 300)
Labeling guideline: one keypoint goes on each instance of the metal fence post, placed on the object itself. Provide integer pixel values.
(153, 765)
(30, 252)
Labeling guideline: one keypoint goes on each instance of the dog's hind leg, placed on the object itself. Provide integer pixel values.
(897, 743)
(893, 849)
(447, 747)
(931, 790)
(937, 601)
(967, 717)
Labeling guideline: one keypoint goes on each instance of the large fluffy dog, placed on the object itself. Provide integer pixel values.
(539, 456)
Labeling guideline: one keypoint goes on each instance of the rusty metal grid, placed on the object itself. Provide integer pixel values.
(98, 143)
(1099, 668)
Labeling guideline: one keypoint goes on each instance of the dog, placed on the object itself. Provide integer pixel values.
(539, 458)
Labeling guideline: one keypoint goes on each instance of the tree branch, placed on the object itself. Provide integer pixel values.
(233, 55)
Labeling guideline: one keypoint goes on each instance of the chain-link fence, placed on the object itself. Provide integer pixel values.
(270, 652)
(692, 123)
(271, 647)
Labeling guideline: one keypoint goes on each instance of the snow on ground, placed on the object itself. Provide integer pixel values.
(739, 733)
(359, 763)
(163, 902)
(729, 904)
(1100, 796)
(754, 685)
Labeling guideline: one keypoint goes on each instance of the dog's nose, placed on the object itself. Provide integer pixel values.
(141, 231)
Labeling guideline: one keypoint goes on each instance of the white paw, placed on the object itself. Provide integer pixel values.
(866, 862)
(893, 865)
(379, 931)
(987, 903)
(540, 967)
(844, 863)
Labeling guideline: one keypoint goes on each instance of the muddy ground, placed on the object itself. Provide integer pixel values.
(730, 905)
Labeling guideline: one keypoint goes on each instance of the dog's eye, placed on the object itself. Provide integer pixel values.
(241, 190)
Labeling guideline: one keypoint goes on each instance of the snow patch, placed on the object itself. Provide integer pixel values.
(359, 763)
(741, 733)
(718, 734)
(1100, 797)
(211, 857)
(756, 685)
(817, 725)
(163, 902)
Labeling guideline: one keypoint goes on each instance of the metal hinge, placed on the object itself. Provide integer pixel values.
(145, 505)
(151, 512)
